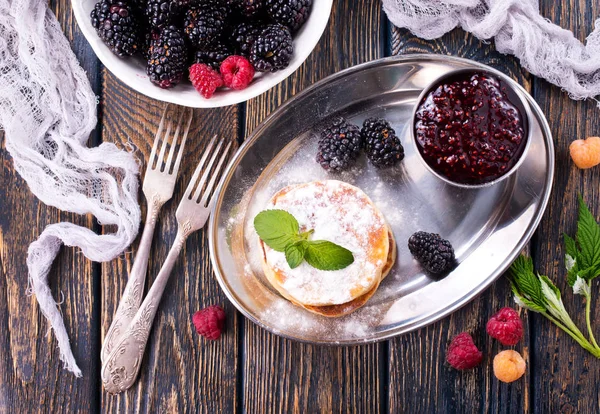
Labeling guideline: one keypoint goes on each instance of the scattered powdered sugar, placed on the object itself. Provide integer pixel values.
(339, 213)
(282, 312)
(380, 197)
(279, 314)
(284, 317)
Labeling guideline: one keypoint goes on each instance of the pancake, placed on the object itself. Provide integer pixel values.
(347, 308)
(343, 214)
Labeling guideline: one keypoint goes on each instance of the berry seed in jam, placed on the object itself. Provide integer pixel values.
(468, 130)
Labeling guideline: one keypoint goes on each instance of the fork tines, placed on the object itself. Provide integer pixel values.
(199, 185)
(168, 141)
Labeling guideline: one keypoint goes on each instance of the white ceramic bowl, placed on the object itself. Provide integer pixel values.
(132, 71)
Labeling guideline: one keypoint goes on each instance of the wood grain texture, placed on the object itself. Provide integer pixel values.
(566, 378)
(285, 376)
(181, 372)
(420, 380)
(249, 369)
(32, 377)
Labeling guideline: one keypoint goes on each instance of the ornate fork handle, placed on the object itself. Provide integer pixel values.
(132, 296)
(122, 366)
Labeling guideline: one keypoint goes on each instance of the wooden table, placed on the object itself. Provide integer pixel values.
(249, 369)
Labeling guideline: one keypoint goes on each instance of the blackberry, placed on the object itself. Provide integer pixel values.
(243, 37)
(382, 146)
(213, 55)
(137, 7)
(204, 25)
(168, 56)
(272, 49)
(291, 13)
(339, 146)
(247, 8)
(213, 3)
(150, 34)
(435, 254)
(161, 13)
(117, 26)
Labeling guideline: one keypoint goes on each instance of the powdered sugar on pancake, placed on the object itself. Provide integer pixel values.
(342, 214)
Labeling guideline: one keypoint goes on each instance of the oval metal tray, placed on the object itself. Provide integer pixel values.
(488, 227)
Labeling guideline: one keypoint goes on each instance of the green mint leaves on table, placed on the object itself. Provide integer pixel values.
(582, 260)
(279, 230)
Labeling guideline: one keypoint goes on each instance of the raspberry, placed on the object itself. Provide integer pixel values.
(462, 352)
(209, 322)
(585, 153)
(205, 80)
(509, 366)
(506, 326)
(237, 72)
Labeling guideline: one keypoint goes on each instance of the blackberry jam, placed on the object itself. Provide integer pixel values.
(469, 128)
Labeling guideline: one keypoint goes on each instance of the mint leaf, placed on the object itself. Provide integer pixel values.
(526, 282)
(570, 246)
(522, 264)
(294, 253)
(571, 262)
(555, 305)
(525, 303)
(551, 285)
(306, 234)
(588, 237)
(572, 274)
(277, 228)
(581, 287)
(325, 255)
(589, 273)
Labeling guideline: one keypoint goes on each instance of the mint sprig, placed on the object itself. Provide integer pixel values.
(295, 252)
(325, 255)
(588, 241)
(277, 228)
(280, 230)
(582, 262)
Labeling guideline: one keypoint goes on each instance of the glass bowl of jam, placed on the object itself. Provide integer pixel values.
(471, 127)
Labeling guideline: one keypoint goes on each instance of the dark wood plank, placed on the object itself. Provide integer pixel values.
(32, 377)
(181, 372)
(566, 378)
(285, 376)
(420, 380)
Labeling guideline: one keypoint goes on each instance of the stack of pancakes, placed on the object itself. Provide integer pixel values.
(342, 214)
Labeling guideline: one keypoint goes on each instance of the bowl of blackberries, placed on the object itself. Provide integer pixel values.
(202, 53)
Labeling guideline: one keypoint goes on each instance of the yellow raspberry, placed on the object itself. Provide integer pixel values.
(585, 153)
(509, 366)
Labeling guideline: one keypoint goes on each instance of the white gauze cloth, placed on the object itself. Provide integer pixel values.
(47, 110)
(544, 49)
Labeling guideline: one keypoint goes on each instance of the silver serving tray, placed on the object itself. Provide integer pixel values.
(488, 227)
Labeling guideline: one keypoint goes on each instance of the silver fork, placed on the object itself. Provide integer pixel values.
(122, 366)
(158, 188)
